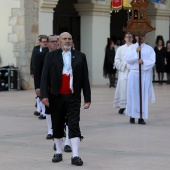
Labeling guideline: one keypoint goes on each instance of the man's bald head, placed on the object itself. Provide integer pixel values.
(65, 41)
(65, 34)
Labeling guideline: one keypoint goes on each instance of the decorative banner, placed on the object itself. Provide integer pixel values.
(116, 5)
(126, 4)
(159, 1)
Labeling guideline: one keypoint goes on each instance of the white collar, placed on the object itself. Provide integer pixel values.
(66, 52)
(141, 44)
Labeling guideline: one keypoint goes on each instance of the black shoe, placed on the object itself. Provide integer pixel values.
(49, 136)
(57, 158)
(121, 111)
(36, 113)
(67, 148)
(76, 161)
(112, 86)
(42, 117)
(141, 121)
(54, 147)
(132, 120)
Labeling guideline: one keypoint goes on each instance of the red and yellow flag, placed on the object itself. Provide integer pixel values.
(126, 4)
(116, 5)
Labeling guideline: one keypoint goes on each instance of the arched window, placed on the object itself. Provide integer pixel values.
(135, 14)
(142, 14)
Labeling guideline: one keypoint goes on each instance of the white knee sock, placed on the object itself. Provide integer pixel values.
(49, 124)
(58, 143)
(42, 108)
(38, 104)
(75, 145)
(67, 142)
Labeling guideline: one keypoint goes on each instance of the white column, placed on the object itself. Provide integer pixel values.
(45, 23)
(95, 29)
(159, 16)
(46, 16)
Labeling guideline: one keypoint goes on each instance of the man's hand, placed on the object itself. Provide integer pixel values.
(138, 49)
(86, 105)
(45, 102)
(32, 75)
(38, 92)
(140, 61)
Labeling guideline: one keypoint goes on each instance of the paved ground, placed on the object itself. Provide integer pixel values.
(110, 141)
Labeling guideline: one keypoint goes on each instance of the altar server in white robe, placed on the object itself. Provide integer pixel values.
(121, 65)
(147, 61)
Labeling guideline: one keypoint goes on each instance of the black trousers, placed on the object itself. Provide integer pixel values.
(65, 109)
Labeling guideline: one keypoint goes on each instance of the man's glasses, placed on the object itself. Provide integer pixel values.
(44, 41)
(129, 37)
(53, 41)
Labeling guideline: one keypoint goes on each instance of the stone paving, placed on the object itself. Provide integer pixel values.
(110, 142)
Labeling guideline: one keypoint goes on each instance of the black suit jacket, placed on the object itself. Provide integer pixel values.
(52, 74)
(38, 66)
(35, 51)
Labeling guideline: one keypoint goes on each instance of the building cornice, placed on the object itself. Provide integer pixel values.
(96, 9)
(48, 5)
(159, 13)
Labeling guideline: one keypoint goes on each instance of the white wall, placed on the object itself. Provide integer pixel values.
(100, 32)
(45, 23)
(94, 33)
(86, 41)
(6, 48)
(162, 28)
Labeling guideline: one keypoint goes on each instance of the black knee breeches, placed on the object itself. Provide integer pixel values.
(65, 108)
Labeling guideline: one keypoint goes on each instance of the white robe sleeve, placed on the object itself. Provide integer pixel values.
(119, 63)
(149, 62)
(131, 55)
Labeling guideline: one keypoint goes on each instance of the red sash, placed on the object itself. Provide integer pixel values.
(65, 85)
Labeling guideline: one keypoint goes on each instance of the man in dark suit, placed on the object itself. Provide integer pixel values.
(65, 71)
(37, 49)
(53, 44)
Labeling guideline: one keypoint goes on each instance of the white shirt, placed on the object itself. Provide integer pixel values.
(67, 68)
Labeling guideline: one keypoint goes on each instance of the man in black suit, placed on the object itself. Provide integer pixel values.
(53, 44)
(39, 62)
(65, 72)
(37, 49)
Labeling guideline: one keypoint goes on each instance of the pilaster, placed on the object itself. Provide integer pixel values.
(46, 10)
(93, 8)
(159, 16)
(95, 29)
(48, 5)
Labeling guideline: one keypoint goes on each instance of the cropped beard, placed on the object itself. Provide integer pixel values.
(67, 47)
